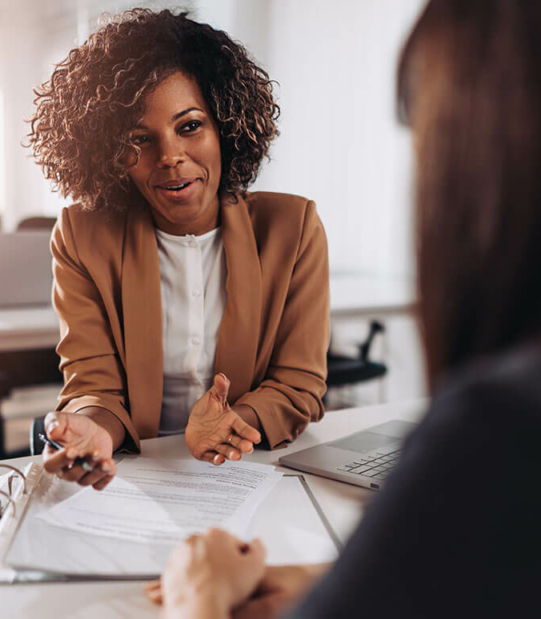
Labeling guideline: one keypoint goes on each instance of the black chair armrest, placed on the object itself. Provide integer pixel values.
(36, 444)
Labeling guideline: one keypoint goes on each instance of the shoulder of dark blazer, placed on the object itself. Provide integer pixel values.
(493, 397)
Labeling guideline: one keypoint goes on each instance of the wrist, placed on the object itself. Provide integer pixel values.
(198, 606)
(247, 414)
(108, 422)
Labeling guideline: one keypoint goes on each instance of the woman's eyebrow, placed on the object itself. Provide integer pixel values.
(173, 118)
(180, 114)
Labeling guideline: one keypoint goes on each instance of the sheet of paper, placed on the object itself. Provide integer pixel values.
(4, 482)
(165, 501)
(290, 527)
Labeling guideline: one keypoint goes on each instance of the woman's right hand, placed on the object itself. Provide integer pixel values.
(81, 437)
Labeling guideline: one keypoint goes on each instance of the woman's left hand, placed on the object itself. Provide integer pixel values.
(211, 574)
(215, 431)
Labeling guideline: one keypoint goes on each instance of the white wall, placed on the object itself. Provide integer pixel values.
(340, 143)
(17, 77)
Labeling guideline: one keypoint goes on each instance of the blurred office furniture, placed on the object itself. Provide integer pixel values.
(36, 223)
(26, 275)
(37, 428)
(28, 338)
(346, 370)
(29, 330)
(359, 299)
(24, 368)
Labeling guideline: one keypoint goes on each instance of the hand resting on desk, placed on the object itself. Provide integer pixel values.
(211, 574)
(215, 431)
(82, 437)
(218, 575)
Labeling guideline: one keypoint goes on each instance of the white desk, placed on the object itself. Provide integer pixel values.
(28, 328)
(341, 503)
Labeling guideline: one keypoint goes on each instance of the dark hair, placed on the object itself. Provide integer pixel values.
(469, 83)
(79, 132)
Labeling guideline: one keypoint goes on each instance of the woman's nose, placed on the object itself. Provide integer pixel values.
(170, 153)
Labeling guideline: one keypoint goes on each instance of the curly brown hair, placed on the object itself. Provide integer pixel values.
(85, 111)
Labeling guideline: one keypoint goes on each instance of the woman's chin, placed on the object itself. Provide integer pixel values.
(181, 219)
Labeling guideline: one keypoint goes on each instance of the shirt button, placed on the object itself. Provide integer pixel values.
(196, 293)
(193, 242)
(196, 341)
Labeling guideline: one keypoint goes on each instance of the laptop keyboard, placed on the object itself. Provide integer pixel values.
(376, 465)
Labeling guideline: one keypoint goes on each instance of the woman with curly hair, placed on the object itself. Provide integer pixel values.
(178, 292)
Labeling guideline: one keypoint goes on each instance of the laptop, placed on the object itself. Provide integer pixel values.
(26, 275)
(365, 458)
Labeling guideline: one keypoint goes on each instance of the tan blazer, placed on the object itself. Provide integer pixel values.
(274, 334)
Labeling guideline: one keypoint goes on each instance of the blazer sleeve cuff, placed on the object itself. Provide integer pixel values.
(274, 434)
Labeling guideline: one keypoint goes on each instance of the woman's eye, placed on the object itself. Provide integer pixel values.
(191, 126)
(139, 140)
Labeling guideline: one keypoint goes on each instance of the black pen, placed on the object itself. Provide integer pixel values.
(80, 461)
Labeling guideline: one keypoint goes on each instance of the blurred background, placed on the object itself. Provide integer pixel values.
(340, 145)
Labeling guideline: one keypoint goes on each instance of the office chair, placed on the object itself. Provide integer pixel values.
(37, 428)
(344, 370)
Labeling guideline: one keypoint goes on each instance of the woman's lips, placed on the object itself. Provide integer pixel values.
(177, 195)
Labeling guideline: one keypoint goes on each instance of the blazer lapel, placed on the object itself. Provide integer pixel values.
(142, 314)
(238, 337)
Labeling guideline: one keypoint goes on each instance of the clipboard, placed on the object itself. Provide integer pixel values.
(289, 521)
(13, 516)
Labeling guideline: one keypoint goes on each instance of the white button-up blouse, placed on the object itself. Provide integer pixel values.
(193, 275)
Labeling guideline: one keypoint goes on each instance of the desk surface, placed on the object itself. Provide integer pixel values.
(341, 503)
(23, 328)
(353, 295)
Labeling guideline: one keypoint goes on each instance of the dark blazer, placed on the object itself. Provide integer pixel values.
(457, 530)
(274, 335)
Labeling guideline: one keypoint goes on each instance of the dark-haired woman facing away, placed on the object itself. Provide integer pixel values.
(179, 293)
(456, 532)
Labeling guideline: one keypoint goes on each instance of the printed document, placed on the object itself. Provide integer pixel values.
(166, 501)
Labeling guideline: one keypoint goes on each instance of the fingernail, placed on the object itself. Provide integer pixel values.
(71, 453)
(106, 468)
